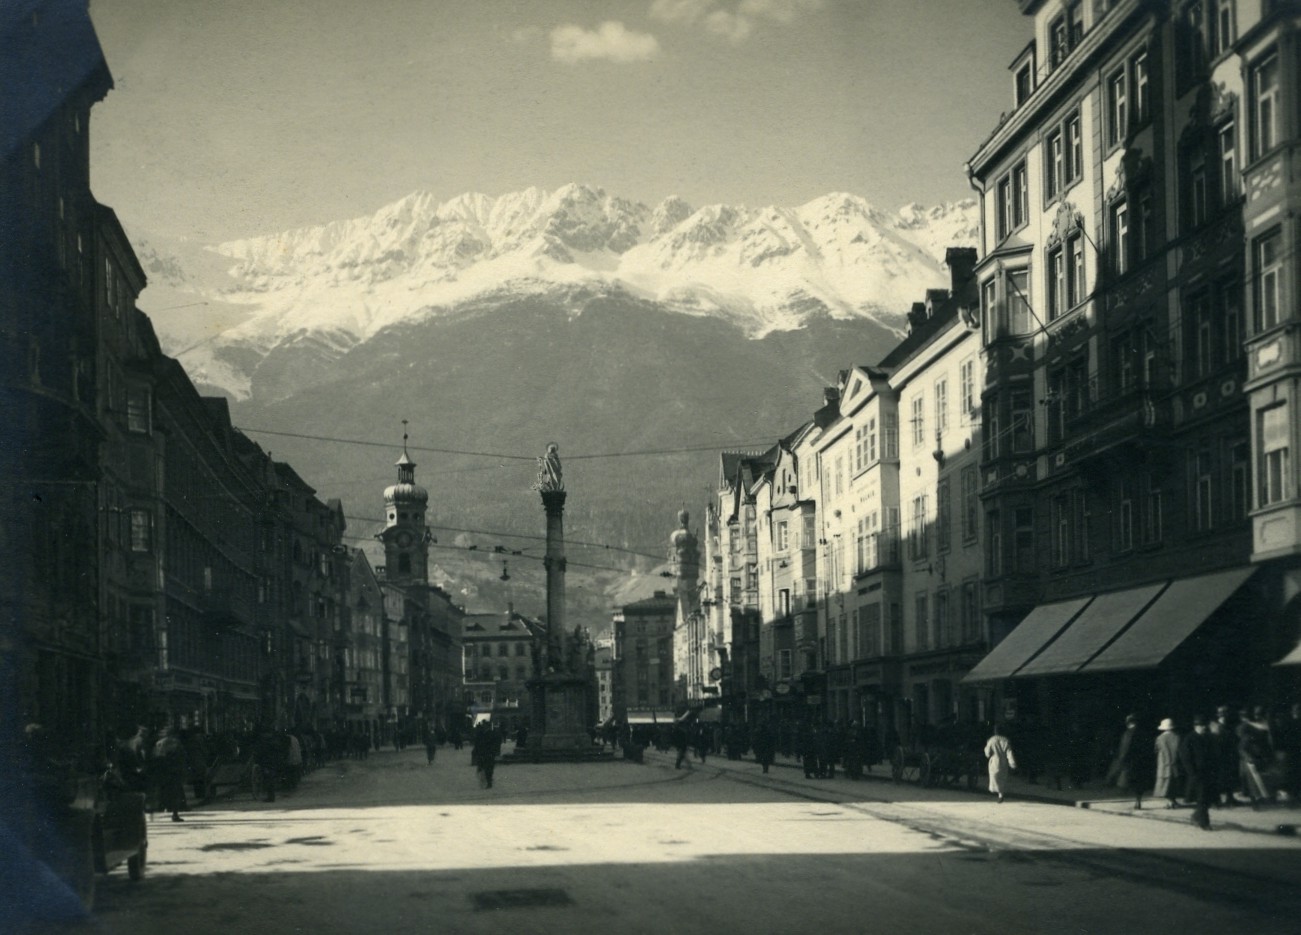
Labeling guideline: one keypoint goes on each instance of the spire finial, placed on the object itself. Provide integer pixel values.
(404, 437)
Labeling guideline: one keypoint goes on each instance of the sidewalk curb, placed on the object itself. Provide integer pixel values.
(1287, 828)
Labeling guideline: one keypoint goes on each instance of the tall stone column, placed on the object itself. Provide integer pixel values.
(558, 694)
(553, 501)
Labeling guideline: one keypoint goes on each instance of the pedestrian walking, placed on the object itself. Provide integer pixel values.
(1197, 759)
(170, 770)
(1167, 762)
(1131, 768)
(998, 751)
(810, 741)
(483, 753)
(764, 742)
(431, 746)
(680, 743)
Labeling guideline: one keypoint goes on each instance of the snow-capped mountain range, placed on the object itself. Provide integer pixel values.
(337, 285)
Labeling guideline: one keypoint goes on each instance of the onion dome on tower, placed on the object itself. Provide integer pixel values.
(406, 539)
(406, 491)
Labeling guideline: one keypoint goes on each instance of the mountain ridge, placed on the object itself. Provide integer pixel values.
(761, 269)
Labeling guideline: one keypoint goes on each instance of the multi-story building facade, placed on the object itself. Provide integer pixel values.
(500, 653)
(205, 537)
(784, 495)
(732, 575)
(161, 565)
(860, 625)
(896, 555)
(363, 663)
(396, 659)
(692, 659)
(935, 375)
(316, 563)
(1267, 52)
(442, 668)
(130, 455)
(643, 652)
(49, 502)
(1122, 469)
(425, 665)
(604, 664)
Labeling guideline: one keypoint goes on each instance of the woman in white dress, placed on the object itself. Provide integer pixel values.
(998, 750)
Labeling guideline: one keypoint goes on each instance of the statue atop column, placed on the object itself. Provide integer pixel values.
(549, 476)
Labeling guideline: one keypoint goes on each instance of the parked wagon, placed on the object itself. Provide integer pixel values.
(945, 759)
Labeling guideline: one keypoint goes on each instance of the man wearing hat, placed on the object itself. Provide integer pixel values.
(1167, 762)
(1197, 758)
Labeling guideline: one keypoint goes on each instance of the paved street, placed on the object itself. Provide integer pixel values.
(393, 845)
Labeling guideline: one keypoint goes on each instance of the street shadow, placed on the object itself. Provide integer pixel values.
(947, 888)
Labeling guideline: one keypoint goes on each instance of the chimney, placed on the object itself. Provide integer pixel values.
(961, 262)
(830, 395)
(935, 297)
(916, 317)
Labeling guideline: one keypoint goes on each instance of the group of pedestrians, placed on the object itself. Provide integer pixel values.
(1231, 759)
(160, 766)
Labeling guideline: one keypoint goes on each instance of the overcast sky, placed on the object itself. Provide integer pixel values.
(239, 117)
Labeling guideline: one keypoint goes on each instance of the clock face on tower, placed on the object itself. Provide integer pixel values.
(404, 540)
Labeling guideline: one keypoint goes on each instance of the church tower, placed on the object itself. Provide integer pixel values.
(406, 538)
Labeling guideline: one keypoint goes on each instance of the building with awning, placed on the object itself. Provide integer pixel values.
(1139, 488)
(1128, 631)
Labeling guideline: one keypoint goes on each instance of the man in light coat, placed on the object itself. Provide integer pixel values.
(1167, 762)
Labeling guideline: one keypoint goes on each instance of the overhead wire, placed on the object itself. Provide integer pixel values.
(496, 553)
(512, 535)
(501, 455)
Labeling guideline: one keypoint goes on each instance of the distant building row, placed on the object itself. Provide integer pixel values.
(160, 565)
(1070, 490)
